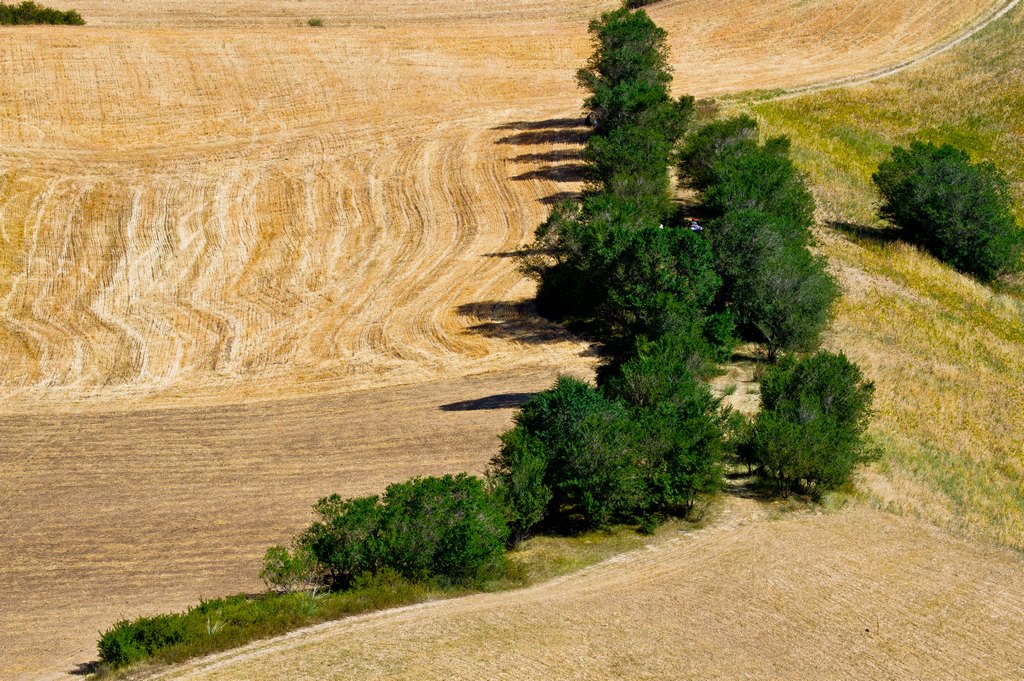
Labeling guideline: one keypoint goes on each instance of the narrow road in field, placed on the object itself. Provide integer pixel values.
(878, 74)
(854, 595)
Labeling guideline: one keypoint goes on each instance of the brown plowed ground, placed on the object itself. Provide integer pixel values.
(244, 262)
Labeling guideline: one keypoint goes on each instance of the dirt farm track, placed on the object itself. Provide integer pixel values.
(245, 262)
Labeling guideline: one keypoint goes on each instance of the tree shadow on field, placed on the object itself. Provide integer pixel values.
(555, 156)
(554, 136)
(558, 197)
(517, 322)
(85, 669)
(567, 172)
(555, 165)
(515, 254)
(502, 401)
(880, 235)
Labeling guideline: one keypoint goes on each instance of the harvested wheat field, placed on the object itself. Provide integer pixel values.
(245, 262)
(196, 207)
(803, 597)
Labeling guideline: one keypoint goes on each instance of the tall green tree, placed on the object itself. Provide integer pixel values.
(780, 293)
(518, 478)
(705, 147)
(636, 120)
(810, 432)
(677, 426)
(628, 74)
(959, 211)
(591, 469)
(760, 178)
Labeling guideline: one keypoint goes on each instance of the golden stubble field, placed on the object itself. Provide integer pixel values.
(245, 263)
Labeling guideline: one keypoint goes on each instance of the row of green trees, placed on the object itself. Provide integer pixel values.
(448, 528)
(760, 216)
(616, 264)
(809, 434)
(420, 537)
(666, 302)
(622, 266)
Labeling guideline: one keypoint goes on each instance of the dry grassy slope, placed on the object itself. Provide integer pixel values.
(217, 207)
(947, 354)
(805, 597)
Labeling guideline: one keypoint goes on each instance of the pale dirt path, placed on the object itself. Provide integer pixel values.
(202, 208)
(852, 595)
(861, 79)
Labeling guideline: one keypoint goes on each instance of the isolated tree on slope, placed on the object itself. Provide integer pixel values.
(958, 211)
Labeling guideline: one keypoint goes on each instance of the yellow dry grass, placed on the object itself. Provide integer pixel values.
(222, 232)
(804, 597)
(946, 353)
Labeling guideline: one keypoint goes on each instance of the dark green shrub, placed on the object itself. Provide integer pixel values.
(565, 249)
(775, 290)
(957, 210)
(31, 13)
(631, 163)
(592, 470)
(764, 179)
(290, 570)
(620, 283)
(788, 300)
(446, 528)
(658, 281)
(741, 238)
(677, 427)
(517, 478)
(721, 334)
(710, 144)
(810, 432)
(346, 539)
(781, 294)
(573, 248)
(132, 641)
